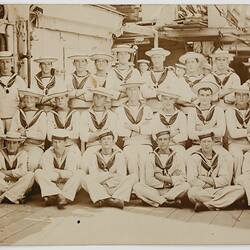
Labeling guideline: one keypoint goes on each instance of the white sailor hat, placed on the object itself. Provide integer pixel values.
(191, 55)
(30, 92)
(205, 134)
(45, 59)
(57, 92)
(99, 53)
(243, 88)
(60, 134)
(135, 81)
(247, 63)
(222, 53)
(180, 65)
(106, 132)
(143, 61)
(6, 55)
(157, 51)
(123, 48)
(101, 91)
(205, 84)
(170, 92)
(160, 131)
(79, 54)
(13, 136)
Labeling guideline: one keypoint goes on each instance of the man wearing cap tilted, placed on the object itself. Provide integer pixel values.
(134, 127)
(45, 80)
(15, 179)
(97, 118)
(205, 118)
(207, 173)
(121, 73)
(108, 183)
(59, 176)
(9, 84)
(143, 65)
(224, 77)
(238, 126)
(79, 82)
(31, 123)
(63, 117)
(169, 117)
(165, 182)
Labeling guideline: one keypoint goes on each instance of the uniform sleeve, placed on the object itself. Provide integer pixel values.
(75, 130)
(50, 125)
(220, 128)
(150, 173)
(235, 82)
(15, 122)
(46, 161)
(192, 171)
(121, 130)
(233, 131)
(84, 131)
(21, 168)
(121, 165)
(191, 124)
(41, 130)
(146, 126)
(222, 178)
(182, 122)
(179, 174)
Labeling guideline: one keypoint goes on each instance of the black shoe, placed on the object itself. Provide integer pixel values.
(115, 203)
(200, 207)
(61, 202)
(22, 200)
(99, 203)
(50, 200)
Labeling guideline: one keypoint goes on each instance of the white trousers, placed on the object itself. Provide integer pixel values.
(14, 191)
(49, 185)
(216, 198)
(98, 191)
(156, 197)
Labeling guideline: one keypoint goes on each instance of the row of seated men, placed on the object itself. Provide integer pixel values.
(134, 123)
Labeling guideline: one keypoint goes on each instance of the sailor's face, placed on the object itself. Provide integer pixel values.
(107, 142)
(207, 144)
(133, 93)
(101, 64)
(59, 145)
(62, 101)
(205, 96)
(5, 66)
(123, 57)
(163, 141)
(46, 67)
(80, 64)
(192, 65)
(99, 100)
(241, 98)
(179, 72)
(143, 67)
(29, 101)
(167, 101)
(222, 63)
(12, 146)
(157, 60)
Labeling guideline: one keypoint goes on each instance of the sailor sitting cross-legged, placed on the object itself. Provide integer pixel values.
(165, 182)
(15, 179)
(207, 173)
(108, 183)
(59, 176)
(31, 123)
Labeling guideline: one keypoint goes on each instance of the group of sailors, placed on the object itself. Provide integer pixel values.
(161, 134)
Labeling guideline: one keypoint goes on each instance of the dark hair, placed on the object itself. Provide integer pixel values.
(205, 89)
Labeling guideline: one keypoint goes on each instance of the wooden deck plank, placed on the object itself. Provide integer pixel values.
(182, 214)
(244, 220)
(204, 217)
(162, 211)
(227, 218)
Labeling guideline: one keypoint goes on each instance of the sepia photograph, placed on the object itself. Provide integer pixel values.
(124, 124)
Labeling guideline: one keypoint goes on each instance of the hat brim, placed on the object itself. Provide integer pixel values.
(246, 64)
(143, 61)
(6, 57)
(200, 85)
(78, 57)
(229, 56)
(59, 94)
(99, 92)
(132, 85)
(44, 60)
(177, 65)
(245, 91)
(153, 53)
(102, 56)
(13, 139)
(23, 93)
(129, 50)
(184, 58)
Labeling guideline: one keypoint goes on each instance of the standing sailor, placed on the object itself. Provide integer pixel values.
(143, 66)
(207, 173)
(31, 123)
(165, 182)
(15, 179)
(9, 84)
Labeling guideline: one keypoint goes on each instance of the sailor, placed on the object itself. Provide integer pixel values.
(223, 76)
(9, 84)
(121, 73)
(108, 183)
(63, 117)
(169, 117)
(143, 65)
(59, 175)
(180, 70)
(134, 127)
(15, 179)
(46, 79)
(238, 126)
(31, 123)
(97, 118)
(165, 182)
(207, 173)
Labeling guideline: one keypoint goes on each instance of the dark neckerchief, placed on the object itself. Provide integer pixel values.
(171, 120)
(10, 82)
(105, 166)
(161, 79)
(8, 165)
(75, 82)
(243, 120)
(23, 119)
(122, 78)
(40, 84)
(223, 82)
(209, 116)
(68, 119)
(57, 165)
(97, 125)
(130, 116)
(192, 83)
